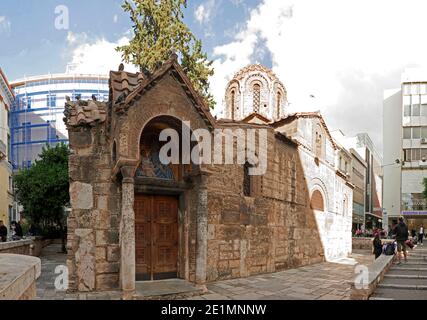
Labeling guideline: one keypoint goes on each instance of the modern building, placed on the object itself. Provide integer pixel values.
(36, 115)
(6, 185)
(367, 170)
(405, 148)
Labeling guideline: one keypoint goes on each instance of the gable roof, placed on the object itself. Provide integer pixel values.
(256, 115)
(132, 86)
(306, 115)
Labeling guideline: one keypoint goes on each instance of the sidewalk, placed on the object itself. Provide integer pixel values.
(324, 281)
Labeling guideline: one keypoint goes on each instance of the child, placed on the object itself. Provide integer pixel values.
(378, 246)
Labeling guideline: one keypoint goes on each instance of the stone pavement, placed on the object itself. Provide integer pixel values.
(407, 281)
(324, 281)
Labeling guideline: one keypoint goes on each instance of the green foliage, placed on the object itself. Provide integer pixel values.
(159, 30)
(43, 189)
(425, 188)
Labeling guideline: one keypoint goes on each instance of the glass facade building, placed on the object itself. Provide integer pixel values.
(37, 113)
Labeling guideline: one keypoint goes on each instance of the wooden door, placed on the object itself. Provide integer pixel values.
(156, 236)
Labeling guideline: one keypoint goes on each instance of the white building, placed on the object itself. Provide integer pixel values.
(405, 148)
(7, 212)
(256, 95)
(362, 145)
(36, 115)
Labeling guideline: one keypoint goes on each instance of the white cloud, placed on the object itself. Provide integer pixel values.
(343, 52)
(95, 56)
(204, 11)
(5, 25)
(115, 18)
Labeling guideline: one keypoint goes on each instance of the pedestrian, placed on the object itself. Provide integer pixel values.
(421, 235)
(18, 234)
(402, 235)
(3, 232)
(378, 246)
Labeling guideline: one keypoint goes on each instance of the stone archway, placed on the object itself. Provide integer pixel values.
(179, 187)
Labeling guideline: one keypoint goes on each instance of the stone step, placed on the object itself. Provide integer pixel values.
(398, 275)
(404, 281)
(401, 294)
(406, 272)
(414, 287)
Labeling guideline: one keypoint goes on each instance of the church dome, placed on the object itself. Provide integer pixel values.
(255, 89)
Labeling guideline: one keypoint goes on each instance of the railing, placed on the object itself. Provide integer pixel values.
(417, 205)
(3, 150)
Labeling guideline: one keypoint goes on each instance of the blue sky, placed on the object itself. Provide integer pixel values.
(29, 34)
(344, 53)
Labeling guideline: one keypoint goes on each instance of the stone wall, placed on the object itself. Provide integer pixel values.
(93, 225)
(23, 247)
(272, 230)
(18, 275)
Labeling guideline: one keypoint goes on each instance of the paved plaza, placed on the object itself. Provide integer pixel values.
(324, 281)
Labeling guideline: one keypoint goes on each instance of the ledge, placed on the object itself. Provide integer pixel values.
(14, 244)
(18, 275)
(364, 285)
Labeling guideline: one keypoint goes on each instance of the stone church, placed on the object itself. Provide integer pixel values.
(135, 219)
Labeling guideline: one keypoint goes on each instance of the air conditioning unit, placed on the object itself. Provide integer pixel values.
(424, 141)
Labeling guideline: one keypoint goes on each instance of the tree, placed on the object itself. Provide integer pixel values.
(159, 30)
(425, 188)
(43, 189)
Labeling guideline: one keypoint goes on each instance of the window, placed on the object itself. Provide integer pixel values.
(278, 102)
(317, 202)
(416, 133)
(256, 97)
(51, 100)
(26, 132)
(415, 110)
(424, 133)
(232, 104)
(416, 154)
(407, 111)
(408, 155)
(423, 153)
(415, 88)
(406, 133)
(51, 131)
(28, 102)
(246, 180)
(406, 89)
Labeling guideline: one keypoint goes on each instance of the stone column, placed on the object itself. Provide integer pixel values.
(202, 230)
(127, 234)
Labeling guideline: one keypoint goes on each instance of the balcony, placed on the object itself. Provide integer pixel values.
(416, 207)
(3, 150)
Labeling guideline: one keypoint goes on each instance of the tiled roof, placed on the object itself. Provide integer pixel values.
(123, 82)
(84, 113)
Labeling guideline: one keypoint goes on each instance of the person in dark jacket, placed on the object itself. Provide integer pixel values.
(402, 233)
(378, 245)
(18, 230)
(3, 232)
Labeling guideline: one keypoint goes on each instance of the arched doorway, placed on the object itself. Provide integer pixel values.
(317, 202)
(160, 204)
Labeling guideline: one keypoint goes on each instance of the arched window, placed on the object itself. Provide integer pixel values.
(232, 103)
(256, 97)
(278, 102)
(246, 180)
(317, 202)
(318, 143)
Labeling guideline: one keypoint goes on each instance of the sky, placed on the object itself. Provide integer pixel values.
(344, 53)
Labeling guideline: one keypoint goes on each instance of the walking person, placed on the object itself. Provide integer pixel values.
(402, 235)
(378, 246)
(421, 235)
(3, 232)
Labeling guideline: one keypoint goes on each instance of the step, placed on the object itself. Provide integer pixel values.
(413, 287)
(407, 272)
(404, 281)
(405, 276)
(402, 294)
